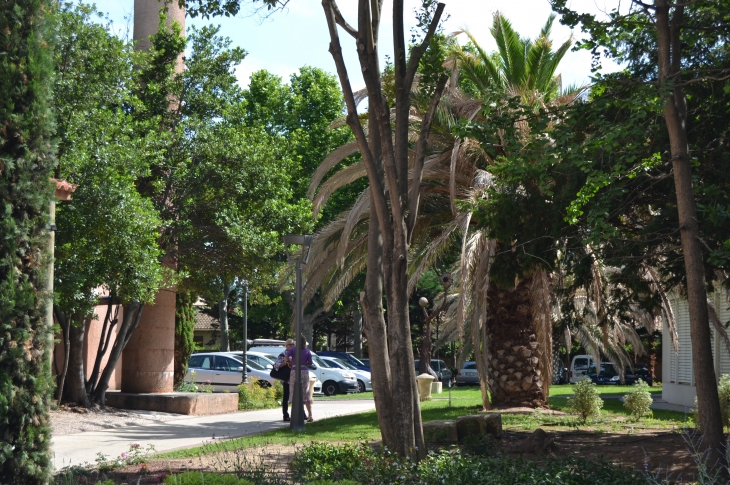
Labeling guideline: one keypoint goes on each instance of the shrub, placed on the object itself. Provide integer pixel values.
(638, 400)
(320, 463)
(723, 390)
(254, 395)
(585, 401)
(203, 478)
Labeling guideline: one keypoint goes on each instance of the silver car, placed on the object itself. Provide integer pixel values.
(223, 371)
(467, 375)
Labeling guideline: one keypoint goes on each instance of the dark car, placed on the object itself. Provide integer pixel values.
(468, 375)
(609, 376)
(346, 357)
(641, 371)
(441, 369)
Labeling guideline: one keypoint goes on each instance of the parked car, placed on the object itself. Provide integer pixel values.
(365, 362)
(364, 382)
(441, 369)
(223, 371)
(467, 375)
(609, 375)
(264, 360)
(354, 361)
(334, 381)
(641, 371)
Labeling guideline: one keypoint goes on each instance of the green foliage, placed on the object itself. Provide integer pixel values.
(723, 390)
(99, 149)
(26, 163)
(258, 394)
(184, 333)
(638, 400)
(361, 464)
(585, 400)
(205, 478)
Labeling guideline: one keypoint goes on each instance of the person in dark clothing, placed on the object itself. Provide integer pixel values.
(283, 361)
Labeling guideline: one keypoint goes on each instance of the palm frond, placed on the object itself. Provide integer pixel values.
(330, 162)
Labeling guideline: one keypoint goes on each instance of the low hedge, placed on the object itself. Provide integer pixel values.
(359, 463)
(259, 395)
(205, 478)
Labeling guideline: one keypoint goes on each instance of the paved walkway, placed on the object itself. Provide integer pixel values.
(81, 448)
(658, 403)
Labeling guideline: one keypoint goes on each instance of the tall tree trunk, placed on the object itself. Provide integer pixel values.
(130, 322)
(357, 333)
(76, 390)
(675, 117)
(104, 339)
(64, 323)
(223, 318)
(516, 375)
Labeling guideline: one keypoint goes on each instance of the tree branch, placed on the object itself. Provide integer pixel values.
(341, 20)
(420, 49)
(353, 120)
(426, 122)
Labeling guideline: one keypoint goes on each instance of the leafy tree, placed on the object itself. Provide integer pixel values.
(99, 150)
(673, 45)
(26, 163)
(230, 191)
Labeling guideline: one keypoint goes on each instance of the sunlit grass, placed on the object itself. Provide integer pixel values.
(463, 401)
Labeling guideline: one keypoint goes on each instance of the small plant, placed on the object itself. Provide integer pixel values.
(203, 478)
(723, 391)
(585, 400)
(638, 400)
(254, 395)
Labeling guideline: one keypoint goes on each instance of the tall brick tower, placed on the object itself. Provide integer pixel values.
(148, 359)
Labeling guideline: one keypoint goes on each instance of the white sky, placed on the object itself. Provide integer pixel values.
(298, 36)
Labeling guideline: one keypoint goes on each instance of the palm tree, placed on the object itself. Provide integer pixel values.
(518, 326)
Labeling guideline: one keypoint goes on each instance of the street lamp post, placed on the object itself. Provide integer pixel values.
(244, 375)
(300, 258)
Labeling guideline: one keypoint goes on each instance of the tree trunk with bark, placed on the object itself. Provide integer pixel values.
(130, 322)
(357, 332)
(675, 116)
(395, 180)
(516, 376)
(223, 318)
(76, 377)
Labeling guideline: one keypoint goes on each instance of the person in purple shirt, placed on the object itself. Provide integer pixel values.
(305, 359)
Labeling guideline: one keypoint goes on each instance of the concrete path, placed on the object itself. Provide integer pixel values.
(82, 448)
(658, 403)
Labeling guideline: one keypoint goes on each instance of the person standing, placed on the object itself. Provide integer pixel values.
(282, 360)
(305, 359)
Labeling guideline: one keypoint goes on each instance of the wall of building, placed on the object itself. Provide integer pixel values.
(678, 380)
(91, 346)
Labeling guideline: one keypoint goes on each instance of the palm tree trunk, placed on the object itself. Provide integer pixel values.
(516, 374)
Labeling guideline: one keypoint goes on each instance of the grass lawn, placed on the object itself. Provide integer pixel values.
(464, 401)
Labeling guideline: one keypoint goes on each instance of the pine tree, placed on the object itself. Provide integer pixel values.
(26, 163)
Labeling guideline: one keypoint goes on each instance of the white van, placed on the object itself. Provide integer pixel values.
(579, 368)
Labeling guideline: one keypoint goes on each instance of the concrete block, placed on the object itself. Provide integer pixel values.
(192, 403)
(479, 424)
(437, 387)
(440, 431)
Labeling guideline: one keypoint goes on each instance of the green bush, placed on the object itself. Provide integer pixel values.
(723, 390)
(203, 478)
(256, 395)
(320, 463)
(585, 401)
(638, 400)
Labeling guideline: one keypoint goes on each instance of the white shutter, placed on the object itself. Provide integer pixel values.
(721, 306)
(684, 360)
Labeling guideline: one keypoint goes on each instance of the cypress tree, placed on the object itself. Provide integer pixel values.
(184, 329)
(26, 163)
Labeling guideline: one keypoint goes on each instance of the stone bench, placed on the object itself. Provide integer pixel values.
(455, 430)
(192, 403)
